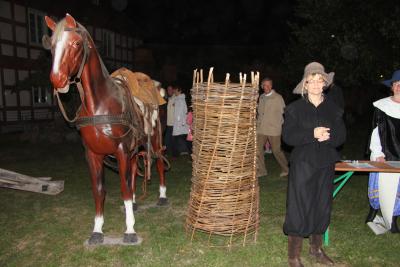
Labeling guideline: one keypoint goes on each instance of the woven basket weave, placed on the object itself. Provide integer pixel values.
(224, 198)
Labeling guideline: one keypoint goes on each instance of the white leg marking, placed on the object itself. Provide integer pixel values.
(134, 198)
(163, 191)
(130, 218)
(98, 224)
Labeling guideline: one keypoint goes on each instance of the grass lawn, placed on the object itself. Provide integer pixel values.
(41, 230)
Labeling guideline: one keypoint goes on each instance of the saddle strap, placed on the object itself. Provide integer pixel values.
(122, 119)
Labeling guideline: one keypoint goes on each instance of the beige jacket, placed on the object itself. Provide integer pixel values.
(270, 114)
(170, 110)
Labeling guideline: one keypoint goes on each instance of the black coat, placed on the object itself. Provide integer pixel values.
(389, 134)
(301, 117)
(312, 165)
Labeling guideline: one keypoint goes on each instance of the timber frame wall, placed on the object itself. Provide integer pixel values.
(19, 55)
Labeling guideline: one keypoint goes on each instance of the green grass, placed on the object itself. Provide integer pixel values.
(41, 230)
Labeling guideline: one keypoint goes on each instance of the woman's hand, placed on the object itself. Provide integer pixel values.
(321, 133)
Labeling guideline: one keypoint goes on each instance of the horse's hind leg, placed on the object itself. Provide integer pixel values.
(162, 200)
(127, 193)
(95, 163)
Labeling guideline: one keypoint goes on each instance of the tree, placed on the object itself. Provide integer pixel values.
(358, 40)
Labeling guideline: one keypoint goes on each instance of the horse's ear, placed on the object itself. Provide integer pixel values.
(50, 23)
(71, 23)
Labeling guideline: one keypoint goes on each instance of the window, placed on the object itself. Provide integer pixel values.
(37, 26)
(108, 44)
(40, 96)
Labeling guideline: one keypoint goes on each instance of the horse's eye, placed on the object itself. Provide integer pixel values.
(77, 43)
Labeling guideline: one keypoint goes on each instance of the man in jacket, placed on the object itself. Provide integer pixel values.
(168, 140)
(269, 127)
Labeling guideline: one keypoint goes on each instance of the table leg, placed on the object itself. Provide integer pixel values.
(343, 178)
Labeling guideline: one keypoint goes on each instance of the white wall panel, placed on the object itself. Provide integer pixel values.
(7, 50)
(9, 76)
(6, 31)
(20, 34)
(19, 13)
(22, 75)
(12, 115)
(35, 53)
(22, 52)
(11, 98)
(25, 98)
(26, 115)
(5, 9)
(1, 95)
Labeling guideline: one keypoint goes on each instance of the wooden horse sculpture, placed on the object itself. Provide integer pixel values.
(109, 120)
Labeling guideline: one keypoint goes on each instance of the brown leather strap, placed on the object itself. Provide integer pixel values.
(61, 106)
(122, 119)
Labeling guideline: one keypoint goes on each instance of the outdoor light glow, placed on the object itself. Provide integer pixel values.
(332, 36)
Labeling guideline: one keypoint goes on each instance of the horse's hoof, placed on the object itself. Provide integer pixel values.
(162, 201)
(130, 238)
(134, 206)
(96, 238)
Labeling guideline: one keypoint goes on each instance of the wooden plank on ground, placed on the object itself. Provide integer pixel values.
(44, 185)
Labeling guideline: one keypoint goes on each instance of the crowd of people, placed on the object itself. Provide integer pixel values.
(313, 125)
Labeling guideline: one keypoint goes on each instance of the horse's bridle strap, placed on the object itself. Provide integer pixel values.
(77, 79)
(122, 119)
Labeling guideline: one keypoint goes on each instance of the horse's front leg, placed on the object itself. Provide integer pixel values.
(134, 169)
(95, 163)
(162, 200)
(127, 193)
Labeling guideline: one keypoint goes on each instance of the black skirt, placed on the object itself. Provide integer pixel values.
(309, 199)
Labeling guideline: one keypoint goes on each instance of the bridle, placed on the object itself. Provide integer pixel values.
(77, 79)
(121, 119)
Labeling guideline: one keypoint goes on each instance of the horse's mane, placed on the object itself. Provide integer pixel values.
(57, 35)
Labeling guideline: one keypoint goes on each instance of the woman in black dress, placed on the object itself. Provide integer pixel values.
(314, 127)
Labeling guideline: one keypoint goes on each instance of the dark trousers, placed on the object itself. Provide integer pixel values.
(309, 199)
(190, 146)
(168, 140)
(179, 145)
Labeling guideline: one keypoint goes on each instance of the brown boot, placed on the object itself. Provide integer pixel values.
(294, 249)
(316, 250)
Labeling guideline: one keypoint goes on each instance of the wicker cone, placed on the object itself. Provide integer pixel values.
(224, 198)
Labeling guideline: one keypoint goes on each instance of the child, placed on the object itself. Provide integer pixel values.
(189, 122)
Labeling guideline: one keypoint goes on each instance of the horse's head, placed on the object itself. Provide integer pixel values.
(69, 47)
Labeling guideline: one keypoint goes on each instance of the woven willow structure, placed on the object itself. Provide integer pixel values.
(224, 198)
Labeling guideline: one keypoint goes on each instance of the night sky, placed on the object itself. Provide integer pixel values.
(237, 22)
